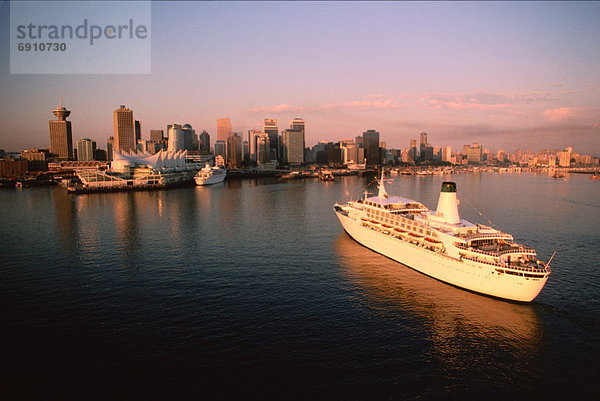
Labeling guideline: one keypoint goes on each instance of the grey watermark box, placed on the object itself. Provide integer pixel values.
(80, 37)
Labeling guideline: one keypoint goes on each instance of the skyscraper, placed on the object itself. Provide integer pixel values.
(61, 138)
(272, 130)
(138, 130)
(371, 145)
(297, 124)
(176, 139)
(263, 149)
(220, 148)
(204, 143)
(157, 135)
(293, 146)
(86, 149)
(110, 146)
(190, 139)
(124, 132)
(234, 150)
(224, 129)
(425, 149)
(252, 138)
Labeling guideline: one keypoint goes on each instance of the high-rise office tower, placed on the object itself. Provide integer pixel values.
(263, 148)
(234, 150)
(474, 153)
(252, 138)
(138, 130)
(110, 146)
(297, 124)
(412, 150)
(220, 148)
(293, 146)
(447, 154)
(271, 128)
(204, 142)
(425, 149)
(86, 149)
(124, 132)
(224, 129)
(61, 137)
(157, 135)
(190, 139)
(176, 140)
(371, 145)
(359, 141)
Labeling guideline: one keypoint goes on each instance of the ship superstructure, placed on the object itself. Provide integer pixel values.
(440, 244)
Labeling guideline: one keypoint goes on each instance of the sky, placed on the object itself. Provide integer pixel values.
(507, 75)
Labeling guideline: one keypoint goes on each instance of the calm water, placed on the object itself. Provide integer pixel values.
(250, 289)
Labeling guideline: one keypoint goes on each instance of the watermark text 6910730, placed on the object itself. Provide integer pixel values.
(80, 37)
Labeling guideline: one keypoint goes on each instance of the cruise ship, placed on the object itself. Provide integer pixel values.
(440, 244)
(210, 175)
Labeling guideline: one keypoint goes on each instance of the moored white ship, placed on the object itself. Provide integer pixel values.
(210, 175)
(442, 245)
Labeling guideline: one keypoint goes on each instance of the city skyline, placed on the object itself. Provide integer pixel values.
(510, 76)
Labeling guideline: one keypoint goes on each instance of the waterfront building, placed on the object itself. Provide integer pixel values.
(176, 139)
(70, 165)
(204, 142)
(131, 170)
(564, 157)
(224, 129)
(371, 145)
(474, 153)
(447, 154)
(501, 156)
(293, 146)
(86, 149)
(13, 168)
(271, 128)
(35, 154)
(124, 131)
(61, 137)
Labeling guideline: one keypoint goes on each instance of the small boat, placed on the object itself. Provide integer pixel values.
(326, 175)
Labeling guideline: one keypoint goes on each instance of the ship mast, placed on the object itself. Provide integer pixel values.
(382, 192)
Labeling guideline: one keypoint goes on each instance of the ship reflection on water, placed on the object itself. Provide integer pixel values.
(464, 329)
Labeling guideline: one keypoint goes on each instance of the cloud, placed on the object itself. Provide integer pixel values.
(280, 108)
(561, 114)
(506, 101)
(380, 103)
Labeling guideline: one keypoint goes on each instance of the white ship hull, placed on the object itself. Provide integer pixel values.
(214, 178)
(479, 277)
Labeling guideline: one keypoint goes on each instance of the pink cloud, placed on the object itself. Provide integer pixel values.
(379, 104)
(561, 113)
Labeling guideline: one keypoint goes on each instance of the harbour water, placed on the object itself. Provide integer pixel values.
(250, 289)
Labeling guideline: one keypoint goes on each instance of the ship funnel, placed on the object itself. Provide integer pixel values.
(448, 203)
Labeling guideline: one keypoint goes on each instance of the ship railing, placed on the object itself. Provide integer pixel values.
(470, 237)
(511, 250)
(544, 268)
